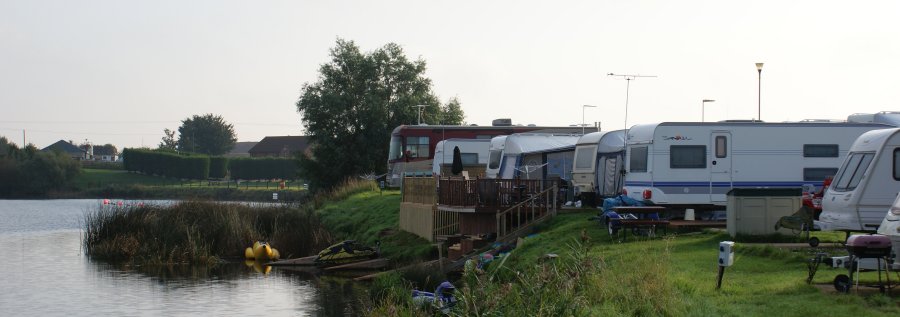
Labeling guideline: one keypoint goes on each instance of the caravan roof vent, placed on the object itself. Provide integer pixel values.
(502, 122)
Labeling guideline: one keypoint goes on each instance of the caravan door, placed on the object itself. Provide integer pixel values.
(720, 166)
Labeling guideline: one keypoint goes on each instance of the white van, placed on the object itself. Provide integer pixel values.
(693, 164)
(866, 184)
(598, 166)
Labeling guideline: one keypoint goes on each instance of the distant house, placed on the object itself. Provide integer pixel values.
(279, 146)
(102, 153)
(241, 149)
(66, 147)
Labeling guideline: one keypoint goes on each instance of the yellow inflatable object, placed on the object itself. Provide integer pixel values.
(248, 253)
(262, 251)
(275, 254)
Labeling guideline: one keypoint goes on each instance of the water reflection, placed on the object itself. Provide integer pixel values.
(47, 274)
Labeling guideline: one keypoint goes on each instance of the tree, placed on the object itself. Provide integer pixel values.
(168, 141)
(452, 113)
(106, 149)
(350, 111)
(208, 134)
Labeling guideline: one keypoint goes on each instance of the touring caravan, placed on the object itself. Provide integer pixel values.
(890, 227)
(597, 167)
(537, 155)
(865, 185)
(473, 152)
(496, 156)
(693, 165)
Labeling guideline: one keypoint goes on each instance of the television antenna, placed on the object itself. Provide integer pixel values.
(628, 78)
(421, 107)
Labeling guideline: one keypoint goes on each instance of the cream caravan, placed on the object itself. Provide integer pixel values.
(598, 166)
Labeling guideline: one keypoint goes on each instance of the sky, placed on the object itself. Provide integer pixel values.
(120, 72)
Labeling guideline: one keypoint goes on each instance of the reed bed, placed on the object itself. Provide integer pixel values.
(198, 232)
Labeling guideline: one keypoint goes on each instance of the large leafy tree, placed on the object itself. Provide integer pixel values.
(206, 134)
(168, 142)
(359, 98)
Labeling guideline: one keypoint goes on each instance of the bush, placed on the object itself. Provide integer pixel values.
(262, 168)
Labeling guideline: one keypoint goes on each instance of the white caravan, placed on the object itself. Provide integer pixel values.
(890, 227)
(472, 152)
(694, 165)
(598, 165)
(866, 184)
(535, 155)
(496, 156)
(885, 117)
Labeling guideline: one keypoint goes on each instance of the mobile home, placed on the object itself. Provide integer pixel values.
(598, 165)
(537, 155)
(694, 165)
(885, 117)
(496, 156)
(865, 185)
(473, 152)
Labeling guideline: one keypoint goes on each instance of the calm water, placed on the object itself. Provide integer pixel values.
(45, 273)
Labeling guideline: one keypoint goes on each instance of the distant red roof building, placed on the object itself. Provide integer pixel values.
(279, 146)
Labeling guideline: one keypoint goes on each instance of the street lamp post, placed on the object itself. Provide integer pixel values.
(703, 109)
(759, 92)
(582, 116)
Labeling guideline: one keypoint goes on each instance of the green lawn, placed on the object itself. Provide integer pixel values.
(680, 273)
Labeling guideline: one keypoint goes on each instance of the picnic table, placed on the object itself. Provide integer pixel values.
(632, 224)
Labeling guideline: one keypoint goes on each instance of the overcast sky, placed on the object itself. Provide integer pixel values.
(122, 71)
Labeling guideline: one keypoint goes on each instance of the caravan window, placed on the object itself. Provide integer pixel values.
(897, 164)
(584, 157)
(817, 174)
(417, 146)
(494, 162)
(638, 161)
(687, 156)
(721, 146)
(820, 150)
(852, 171)
(469, 158)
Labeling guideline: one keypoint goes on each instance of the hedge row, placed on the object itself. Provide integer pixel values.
(166, 163)
(262, 168)
(193, 166)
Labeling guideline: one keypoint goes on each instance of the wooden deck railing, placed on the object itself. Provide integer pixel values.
(535, 209)
(420, 190)
(500, 193)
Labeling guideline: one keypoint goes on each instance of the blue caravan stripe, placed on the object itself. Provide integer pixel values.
(724, 184)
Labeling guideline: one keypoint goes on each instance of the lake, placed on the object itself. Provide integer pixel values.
(47, 274)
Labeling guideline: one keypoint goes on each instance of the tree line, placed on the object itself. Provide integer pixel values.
(28, 171)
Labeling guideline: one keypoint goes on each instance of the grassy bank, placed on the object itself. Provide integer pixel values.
(192, 232)
(674, 276)
(366, 214)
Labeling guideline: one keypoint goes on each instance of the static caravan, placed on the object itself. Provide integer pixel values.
(496, 156)
(473, 152)
(598, 165)
(866, 184)
(537, 155)
(694, 165)
(885, 117)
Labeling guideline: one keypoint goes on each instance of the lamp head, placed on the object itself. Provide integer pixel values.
(759, 66)
(708, 100)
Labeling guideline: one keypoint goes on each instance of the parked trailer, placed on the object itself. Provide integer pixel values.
(885, 117)
(865, 185)
(472, 152)
(693, 165)
(537, 155)
(598, 168)
(496, 156)
(890, 227)
(411, 151)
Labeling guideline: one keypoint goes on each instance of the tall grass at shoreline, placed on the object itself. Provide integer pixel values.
(198, 232)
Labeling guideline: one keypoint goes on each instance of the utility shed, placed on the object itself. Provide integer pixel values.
(755, 211)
